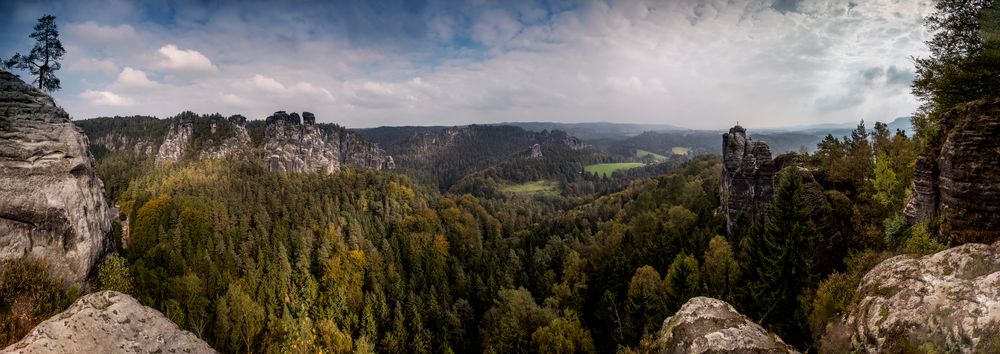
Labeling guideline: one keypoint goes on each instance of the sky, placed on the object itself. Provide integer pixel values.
(701, 64)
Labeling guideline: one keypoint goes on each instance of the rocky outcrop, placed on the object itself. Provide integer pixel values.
(945, 302)
(535, 152)
(182, 134)
(291, 145)
(51, 201)
(707, 325)
(236, 141)
(175, 143)
(749, 177)
(108, 322)
(747, 172)
(960, 181)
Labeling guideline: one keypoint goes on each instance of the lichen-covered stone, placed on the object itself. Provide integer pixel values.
(707, 325)
(108, 322)
(960, 182)
(52, 205)
(942, 302)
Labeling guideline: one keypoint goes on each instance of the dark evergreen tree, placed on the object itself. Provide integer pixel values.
(783, 270)
(43, 60)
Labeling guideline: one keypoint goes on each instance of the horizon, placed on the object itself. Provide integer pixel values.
(693, 64)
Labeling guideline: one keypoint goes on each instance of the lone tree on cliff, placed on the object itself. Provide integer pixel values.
(43, 60)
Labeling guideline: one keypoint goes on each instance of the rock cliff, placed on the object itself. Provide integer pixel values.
(707, 325)
(747, 173)
(51, 201)
(221, 137)
(945, 302)
(960, 181)
(108, 322)
(292, 145)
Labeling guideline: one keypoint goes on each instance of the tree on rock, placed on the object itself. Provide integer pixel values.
(43, 60)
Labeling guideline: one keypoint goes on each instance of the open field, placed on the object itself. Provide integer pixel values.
(536, 187)
(680, 150)
(605, 169)
(642, 153)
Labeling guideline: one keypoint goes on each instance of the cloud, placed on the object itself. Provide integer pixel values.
(105, 98)
(95, 35)
(270, 85)
(131, 78)
(173, 58)
(695, 63)
(91, 65)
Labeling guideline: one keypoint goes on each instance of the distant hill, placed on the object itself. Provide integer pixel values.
(599, 130)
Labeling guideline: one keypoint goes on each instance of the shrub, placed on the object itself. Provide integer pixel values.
(114, 274)
(28, 296)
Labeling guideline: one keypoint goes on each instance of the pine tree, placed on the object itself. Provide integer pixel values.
(43, 60)
(783, 250)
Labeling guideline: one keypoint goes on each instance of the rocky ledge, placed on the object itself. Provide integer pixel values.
(52, 205)
(945, 302)
(108, 322)
(707, 325)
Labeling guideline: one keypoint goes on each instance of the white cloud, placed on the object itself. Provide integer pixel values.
(183, 60)
(270, 85)
(93, 34)
(105, 98)
(90, 65)
(131, 78)
(267, 84)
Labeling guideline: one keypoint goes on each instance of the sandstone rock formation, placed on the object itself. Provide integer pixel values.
(239, 139)
(707, 325)
(52, 205)
(945, 302)
(749, 176)
(293, 146)
(108, 322)
(181, 134)
(175, 143)
(747, 172)
(535, 152)
(960, 182)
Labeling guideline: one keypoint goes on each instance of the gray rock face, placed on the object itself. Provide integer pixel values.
(707, 325)
(961, 181)
(747, 172)
(291, 146)
(108, 322)
(52, 205)
(536, 152)
(231, 145)
(175, 143)
(948, 300)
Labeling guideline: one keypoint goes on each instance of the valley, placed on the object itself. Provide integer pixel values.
(439, 177)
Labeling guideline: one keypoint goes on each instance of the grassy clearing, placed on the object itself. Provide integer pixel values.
(536, 187)
(680, 150)
(605, 169)
(643, 153)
